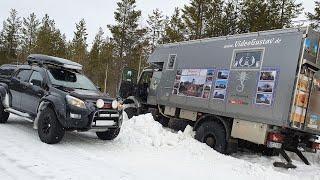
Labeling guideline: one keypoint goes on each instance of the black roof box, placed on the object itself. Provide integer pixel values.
(44, 59)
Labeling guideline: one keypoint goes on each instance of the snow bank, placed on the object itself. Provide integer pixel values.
(143, 130)
(144, 150)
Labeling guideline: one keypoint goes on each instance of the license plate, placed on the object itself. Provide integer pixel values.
(274, 145)
(105, 123)
(108, 115)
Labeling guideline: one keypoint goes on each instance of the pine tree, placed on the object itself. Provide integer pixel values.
(282, 12)
(254, 16)
(214, 19)
(155, 27)
(230, 18)
(194, 18)
(315, 18)
(95, 68)
(29, 31)
(125, 32)
(174, 28)
(127, 37)
(79, 43)
(49, 40)
(10, 34)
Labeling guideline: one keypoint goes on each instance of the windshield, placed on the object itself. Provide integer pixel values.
(69, 79)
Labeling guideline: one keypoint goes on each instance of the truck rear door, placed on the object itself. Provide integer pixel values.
(313, 111)
(17, 86)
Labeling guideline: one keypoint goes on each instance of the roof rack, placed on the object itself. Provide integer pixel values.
(41, 59)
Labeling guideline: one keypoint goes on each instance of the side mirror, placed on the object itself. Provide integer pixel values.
(36, 82)
(98, 87)
(129, 75)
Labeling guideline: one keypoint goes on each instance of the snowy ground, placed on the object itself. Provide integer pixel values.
(143, 151)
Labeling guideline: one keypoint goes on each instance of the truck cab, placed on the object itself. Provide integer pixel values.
(139, 91)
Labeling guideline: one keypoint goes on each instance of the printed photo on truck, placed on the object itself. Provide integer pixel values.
(264, 98)
(268, 75)
(193, 82)
(265, 87)
(247, 59)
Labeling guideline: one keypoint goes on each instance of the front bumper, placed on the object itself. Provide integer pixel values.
(93, 118)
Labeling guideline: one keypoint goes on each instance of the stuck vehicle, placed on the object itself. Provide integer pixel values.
(261, 87)
(56, 96)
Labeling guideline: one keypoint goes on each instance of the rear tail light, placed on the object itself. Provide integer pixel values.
(316, 146)
(275, 137)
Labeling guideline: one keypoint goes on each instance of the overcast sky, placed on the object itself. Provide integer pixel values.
(97, 13)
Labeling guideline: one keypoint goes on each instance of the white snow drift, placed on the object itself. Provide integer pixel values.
(143, 150)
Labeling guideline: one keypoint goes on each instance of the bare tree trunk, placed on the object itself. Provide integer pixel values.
(106, 79)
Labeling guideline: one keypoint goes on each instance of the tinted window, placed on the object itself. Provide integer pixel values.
(24, 75)
(70, 79)
(36, 78)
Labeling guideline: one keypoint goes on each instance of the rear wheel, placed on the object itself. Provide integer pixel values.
(108, 135)
(50, 130)
(213, 134)
(3, 115)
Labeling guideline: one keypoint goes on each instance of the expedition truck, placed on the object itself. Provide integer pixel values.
(56, 96)
(261, 87)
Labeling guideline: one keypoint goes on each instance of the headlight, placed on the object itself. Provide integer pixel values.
(100, 103)
(114, 104)
(73, 101)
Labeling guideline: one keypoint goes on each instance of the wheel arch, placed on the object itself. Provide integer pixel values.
(49, 101)
(4, 91)
(133, 100)
(226, 122)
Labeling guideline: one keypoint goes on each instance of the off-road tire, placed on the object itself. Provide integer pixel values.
(215, 130)
(131, 111)
(3, 115)
(177, 124)
(108, 135)
(50, 130)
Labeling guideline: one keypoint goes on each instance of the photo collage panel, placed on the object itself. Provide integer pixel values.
(247, 59)
(220, 86)
(266, 87)
(194, 82)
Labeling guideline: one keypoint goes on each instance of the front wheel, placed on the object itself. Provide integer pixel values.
(50, 130)
(213, 134)
(109, 134)
(3, 115)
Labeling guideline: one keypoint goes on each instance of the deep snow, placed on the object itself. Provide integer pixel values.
(143, 151)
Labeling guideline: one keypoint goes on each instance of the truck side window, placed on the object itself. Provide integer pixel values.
(36, 78)
(171, 61)
(23, 75)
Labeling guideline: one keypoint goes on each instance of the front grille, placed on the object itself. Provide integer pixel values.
(107, 105)
(108, 116)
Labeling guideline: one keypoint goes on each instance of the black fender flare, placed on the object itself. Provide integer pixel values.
(227, 123)
(58, 105)
(4, 90)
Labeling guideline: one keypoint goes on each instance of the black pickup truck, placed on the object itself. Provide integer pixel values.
(57, 97)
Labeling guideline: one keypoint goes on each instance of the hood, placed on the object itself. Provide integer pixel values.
(90, 95)
(87, 95)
